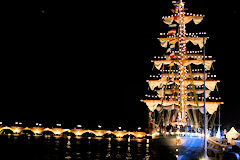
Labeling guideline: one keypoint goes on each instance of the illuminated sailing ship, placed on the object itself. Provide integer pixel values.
(183, 84)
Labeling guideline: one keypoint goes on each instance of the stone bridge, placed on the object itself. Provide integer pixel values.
(77, 132)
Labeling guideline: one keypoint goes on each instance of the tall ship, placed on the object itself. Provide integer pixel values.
(182, 84)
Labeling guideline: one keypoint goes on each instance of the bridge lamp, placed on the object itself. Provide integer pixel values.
(20, 123)
(0, 123)
(119, 128)
(59, 125)
(99, 126)
(79, 126)
(16, 122)
(39, 124)
(139, 128)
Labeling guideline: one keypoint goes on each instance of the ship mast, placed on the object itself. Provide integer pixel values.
(182, 68)
(204, 110)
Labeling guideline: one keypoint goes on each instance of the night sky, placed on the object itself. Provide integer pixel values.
(87, 63)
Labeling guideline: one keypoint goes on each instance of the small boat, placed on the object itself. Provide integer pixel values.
(218, 146)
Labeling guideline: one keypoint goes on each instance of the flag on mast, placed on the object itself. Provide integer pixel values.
(172, 41)
(172, 46)
(172, 55)
(175, 2)
(171, 32)
(172, 25)
(175, 10)
(171, 64)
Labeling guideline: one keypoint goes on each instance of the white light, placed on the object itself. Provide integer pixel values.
(59, 125)
(99, 126)
(119, 127)
(79, 126)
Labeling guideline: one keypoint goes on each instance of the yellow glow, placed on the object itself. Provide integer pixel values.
(201, 158)
(57, 132)
(119, 135)
(139, 140)
(16, 130)
(78, 133)
(155, 134)
(178, 140)
(99, 134)
(37, 131)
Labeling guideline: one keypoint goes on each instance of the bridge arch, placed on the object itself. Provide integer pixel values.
(27, 131)
(109, 135)
(128, 135)
(88, 134)
(6, 129)
(48, 132)
(89, 131)
(68, 133)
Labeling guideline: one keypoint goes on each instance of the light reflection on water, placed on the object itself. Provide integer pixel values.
(96, 148)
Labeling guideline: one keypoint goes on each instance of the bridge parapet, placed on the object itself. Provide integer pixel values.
(77, 132)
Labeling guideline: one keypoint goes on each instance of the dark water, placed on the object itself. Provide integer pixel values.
(67, 148)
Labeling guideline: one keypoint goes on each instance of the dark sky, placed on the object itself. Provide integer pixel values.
(87, 63)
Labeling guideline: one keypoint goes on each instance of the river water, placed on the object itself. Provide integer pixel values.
(95, 148)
